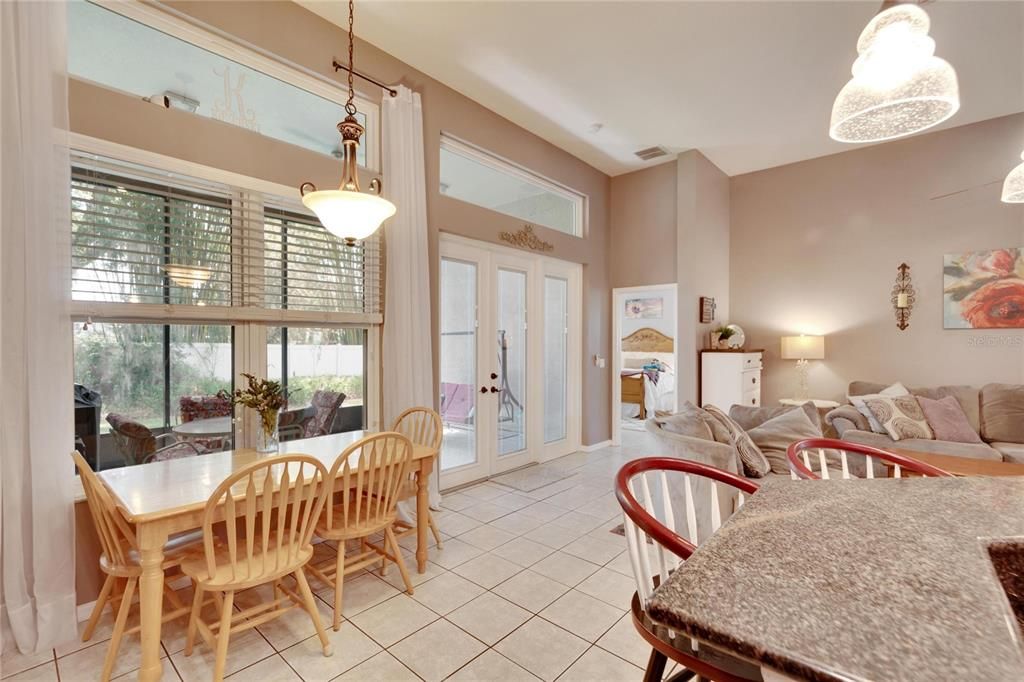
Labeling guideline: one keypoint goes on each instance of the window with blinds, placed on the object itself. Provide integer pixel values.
(144, 236)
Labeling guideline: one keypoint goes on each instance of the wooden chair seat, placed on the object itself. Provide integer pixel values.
(261, 566)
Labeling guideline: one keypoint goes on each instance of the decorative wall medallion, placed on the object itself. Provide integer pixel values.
(903, 297)
(526, 239)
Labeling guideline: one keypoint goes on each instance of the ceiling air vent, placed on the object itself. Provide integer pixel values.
(651, 153)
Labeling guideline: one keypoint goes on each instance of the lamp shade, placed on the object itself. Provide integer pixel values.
(899, 87)
(1013, 186)
(803, 347)
(349, 214)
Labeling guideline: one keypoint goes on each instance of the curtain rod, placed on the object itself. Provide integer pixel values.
(340, 67)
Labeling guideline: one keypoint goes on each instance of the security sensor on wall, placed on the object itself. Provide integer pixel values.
(176, 100)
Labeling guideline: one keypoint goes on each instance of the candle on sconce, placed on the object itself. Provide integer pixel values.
(901, 300)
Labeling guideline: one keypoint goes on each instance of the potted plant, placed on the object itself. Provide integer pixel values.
(267, 398)
(724, 334)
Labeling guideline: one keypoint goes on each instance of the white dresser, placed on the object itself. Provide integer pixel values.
(730, 378)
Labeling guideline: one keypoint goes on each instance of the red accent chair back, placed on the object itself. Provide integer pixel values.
(660, 519)
(841, 459)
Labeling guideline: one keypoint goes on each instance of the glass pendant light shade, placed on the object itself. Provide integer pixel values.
(899, 87)
(347, 212)
(1013, 186)
(350, 215)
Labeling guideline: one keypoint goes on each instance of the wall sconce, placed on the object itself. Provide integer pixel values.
(903, 296)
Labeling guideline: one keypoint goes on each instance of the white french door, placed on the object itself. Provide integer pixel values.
(509, 358)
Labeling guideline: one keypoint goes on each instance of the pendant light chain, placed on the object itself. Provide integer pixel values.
(350, 107)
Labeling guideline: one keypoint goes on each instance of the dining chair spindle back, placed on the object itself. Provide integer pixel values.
(825, 458)
(422, 426)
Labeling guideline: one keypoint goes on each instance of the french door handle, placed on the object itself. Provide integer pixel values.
(493, 376)
(483, 389)
(495, 389)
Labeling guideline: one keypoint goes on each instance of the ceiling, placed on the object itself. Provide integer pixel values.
(750, 84)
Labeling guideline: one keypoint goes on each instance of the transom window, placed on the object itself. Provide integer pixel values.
(481, 178)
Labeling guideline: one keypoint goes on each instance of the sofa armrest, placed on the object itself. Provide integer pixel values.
(713, 453)
(846, 417)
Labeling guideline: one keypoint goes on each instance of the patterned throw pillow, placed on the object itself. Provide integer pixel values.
(755, 465)
(860, 402)
(901, 416)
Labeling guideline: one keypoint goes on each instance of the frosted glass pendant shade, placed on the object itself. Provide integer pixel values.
(348, 214)
(899, 87)
(1013, 186)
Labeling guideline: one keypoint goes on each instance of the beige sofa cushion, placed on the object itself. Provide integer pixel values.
(1002, 413)
(754, 463)
(774, 436)
(938, 447)
(1011, 452)
(689, 421)
(752, 417)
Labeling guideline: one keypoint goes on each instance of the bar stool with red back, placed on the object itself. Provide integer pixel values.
(646, 491)
(842, 459)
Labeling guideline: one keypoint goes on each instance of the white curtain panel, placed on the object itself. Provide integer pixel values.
(36, 431)
(408, 360)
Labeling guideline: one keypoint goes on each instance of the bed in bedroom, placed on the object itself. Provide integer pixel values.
(647, 374)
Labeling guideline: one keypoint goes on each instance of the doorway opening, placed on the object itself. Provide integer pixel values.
(644, 356)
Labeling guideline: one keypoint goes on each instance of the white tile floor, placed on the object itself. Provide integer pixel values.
(529, 585)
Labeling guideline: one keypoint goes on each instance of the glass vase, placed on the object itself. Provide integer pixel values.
(266, 435)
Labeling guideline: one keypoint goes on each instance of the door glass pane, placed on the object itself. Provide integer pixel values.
(555, 359)
(458, 363)
(511, 361)
(322, 370)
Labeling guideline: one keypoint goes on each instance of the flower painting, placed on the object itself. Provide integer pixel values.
(984, 289)
(644, 308)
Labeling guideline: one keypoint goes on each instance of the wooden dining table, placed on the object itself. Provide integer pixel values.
(168, 497)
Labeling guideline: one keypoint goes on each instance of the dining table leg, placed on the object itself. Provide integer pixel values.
(422, 511)
(151, 539)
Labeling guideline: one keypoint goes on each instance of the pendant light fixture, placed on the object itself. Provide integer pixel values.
(347, 212)
(1013, 186)
(899, 87)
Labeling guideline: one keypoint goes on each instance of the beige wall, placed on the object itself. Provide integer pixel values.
(642, 243)
(702, 257)
(293, 33)
(815, 246)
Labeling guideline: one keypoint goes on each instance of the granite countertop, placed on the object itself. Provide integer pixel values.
(884, 579)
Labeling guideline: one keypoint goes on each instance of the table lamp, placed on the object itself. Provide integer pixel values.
(803, 348)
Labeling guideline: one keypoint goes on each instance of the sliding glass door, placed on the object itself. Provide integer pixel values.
(509, 359)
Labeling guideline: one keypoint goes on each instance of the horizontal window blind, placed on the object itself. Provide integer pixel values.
(140, 235)
(137, 239)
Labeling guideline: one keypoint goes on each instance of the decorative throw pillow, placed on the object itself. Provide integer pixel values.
(690, 421)
(751, 458)
(901, 416)
(774, 436)
(948, 420)
(860, 402)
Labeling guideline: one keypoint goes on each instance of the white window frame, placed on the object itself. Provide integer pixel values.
(466, 149)
(178, 25)
(250, 323)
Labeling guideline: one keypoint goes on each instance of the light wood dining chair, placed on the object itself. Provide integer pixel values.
(369, 475)
(422, 426)
(269, 534)
(120, 562)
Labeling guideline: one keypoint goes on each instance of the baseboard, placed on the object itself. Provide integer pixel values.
(595, 446)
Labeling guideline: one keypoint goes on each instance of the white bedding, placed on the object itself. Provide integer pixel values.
(657, 397)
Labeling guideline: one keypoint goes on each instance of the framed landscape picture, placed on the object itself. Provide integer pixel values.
(983, 289)
(645, 308)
